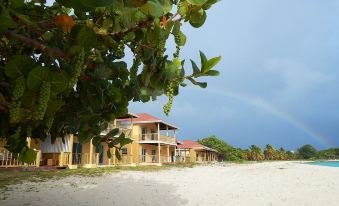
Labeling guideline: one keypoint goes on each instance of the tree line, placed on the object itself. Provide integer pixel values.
(254, 153)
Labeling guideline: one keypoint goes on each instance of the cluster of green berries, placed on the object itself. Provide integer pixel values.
(161, 47)
(49, 123)
(79, 65)
(14, 111)
(170, 94)
(19, 88)
(177, 52)
(134, 68)
(45, 91)
(119, 52)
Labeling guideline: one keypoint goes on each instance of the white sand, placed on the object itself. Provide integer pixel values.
(276, 183)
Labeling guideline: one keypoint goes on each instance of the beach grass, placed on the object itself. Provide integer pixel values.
(8, 178)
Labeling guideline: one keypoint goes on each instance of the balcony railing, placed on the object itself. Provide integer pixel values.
(154, 159)
(183, 159)
(84, 158)
(125, 160)
(123, 127)
(154, 137)
(9, 159)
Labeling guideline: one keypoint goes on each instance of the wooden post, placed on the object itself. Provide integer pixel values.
(159, 143)
(91, 149)
(70, 146)
(132, 155)
(168, 153)
(28, 139)
(38, 156)
(114, 155)
(61, 159)
(167, 130)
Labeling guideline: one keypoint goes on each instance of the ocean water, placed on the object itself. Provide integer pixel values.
(325, 163)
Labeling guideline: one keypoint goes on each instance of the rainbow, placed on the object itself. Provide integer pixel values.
(278, 112)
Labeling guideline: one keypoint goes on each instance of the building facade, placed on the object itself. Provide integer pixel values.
(191, 151)
(154, 142)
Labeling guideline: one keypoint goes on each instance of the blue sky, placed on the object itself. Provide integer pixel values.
(279, 75)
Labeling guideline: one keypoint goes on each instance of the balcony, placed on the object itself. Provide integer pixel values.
(9, 159)
(124, 127)
(153, 138)
(153, 159)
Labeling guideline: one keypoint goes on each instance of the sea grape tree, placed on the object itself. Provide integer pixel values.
(63, 67)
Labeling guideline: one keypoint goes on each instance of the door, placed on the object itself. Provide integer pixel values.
(152, 134)
(77, 151)
(143, 133)
(154, 155)
(143, 155)
(100, 150)
(172, 156)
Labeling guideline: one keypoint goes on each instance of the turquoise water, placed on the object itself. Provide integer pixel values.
(327, 164)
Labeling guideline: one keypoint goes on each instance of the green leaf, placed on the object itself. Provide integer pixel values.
(152, 8)
(183, 8)
(200, 84)
(210, 64)
(195, 68)
(117, 154)
(176, 28)
(15, 4)
(19, 65)
(167, 5)
(109, 154)
(208, 4)
(98, 3)
(27, 155)
(182, 39)
(59, 81)
(197, 19)
(197, 2)
(6, 22)
(213, 73)
(203, 59)
(168, 28)
(125, 141)
(53, 107)
(183, 84)
(84, 36)
(112, 133)
(36, 76)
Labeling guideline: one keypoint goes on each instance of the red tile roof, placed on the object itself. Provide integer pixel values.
(190, 144)
(147, 118)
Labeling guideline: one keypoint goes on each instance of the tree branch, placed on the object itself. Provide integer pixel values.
(55, 52)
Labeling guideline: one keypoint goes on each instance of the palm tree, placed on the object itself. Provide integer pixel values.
(256, 153)
(281, 154)
(269, 152)
(246, 154)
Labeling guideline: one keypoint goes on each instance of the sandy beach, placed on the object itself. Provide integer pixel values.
(271, 183)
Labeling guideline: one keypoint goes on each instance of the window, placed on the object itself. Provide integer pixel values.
(124, 151)
(152, 134)
(154, 151)
(153, 155)
(143, 133)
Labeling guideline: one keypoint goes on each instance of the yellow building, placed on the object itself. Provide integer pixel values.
(154, 143)
(191, 151)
